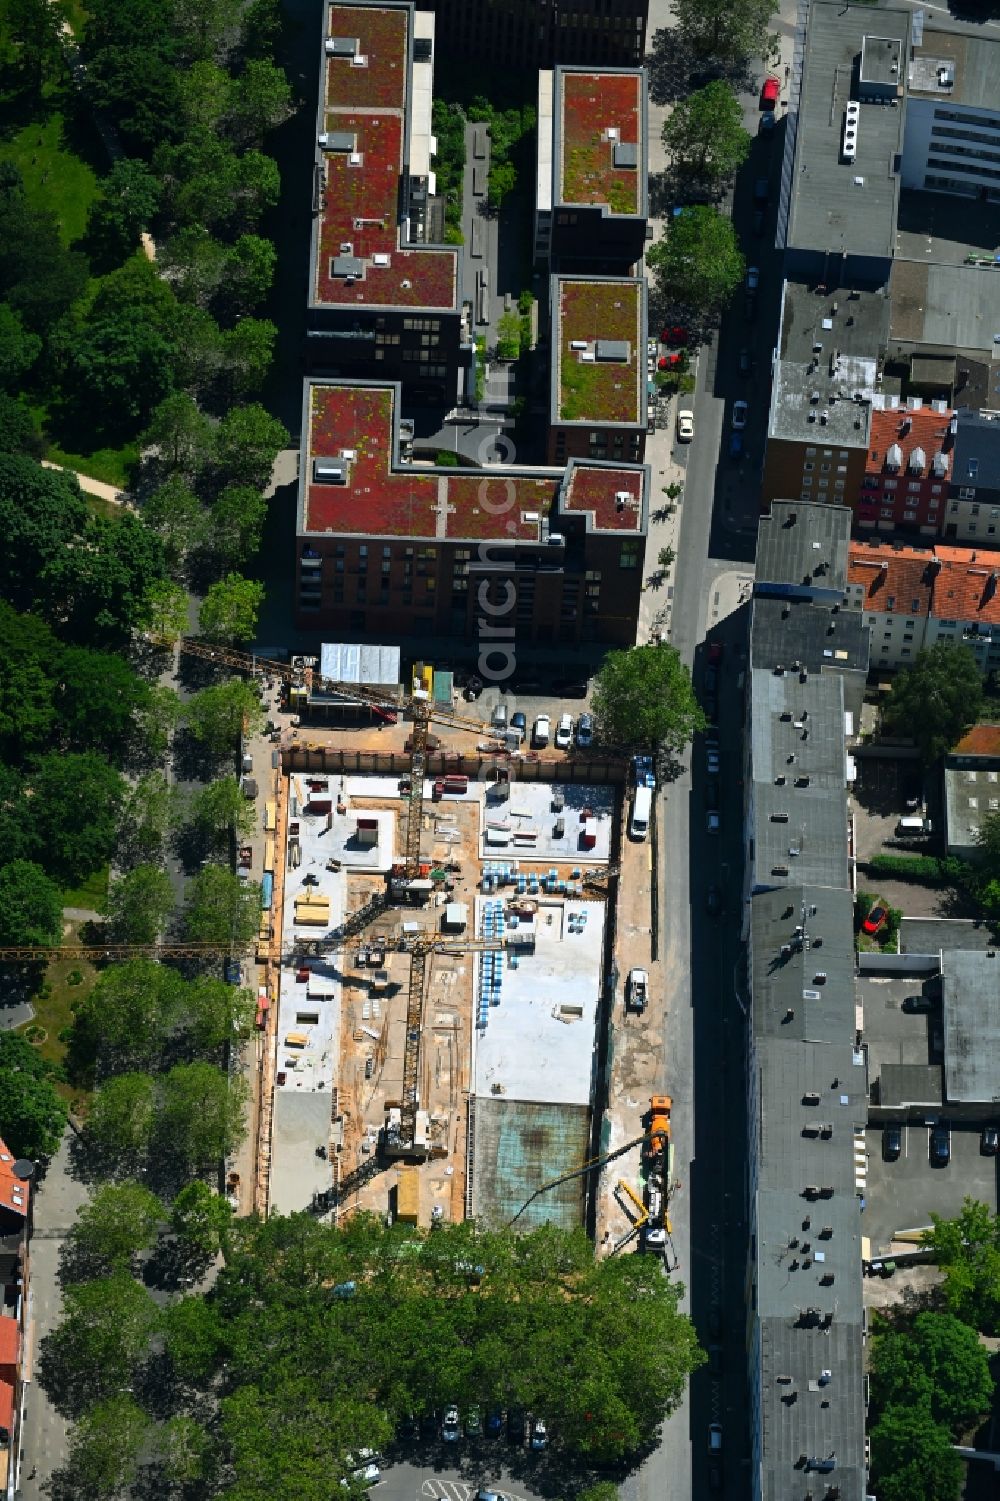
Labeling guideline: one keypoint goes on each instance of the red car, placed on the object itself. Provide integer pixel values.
(769, 93)
(715, 651)
(668, 361)
(674, 335)
(877, 918)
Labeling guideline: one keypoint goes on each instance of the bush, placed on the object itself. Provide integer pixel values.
(927, 870)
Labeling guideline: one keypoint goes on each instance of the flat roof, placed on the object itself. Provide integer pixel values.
(956, 66)
(367, 665)
(971, 795)
(830, 209)
(802, 548)
(599, 347)
(853, 322)
(955, 307)
(357, 254)
(789, 1000)
(801, 632)
(600, 145)
(520, 1145)
(816, 406)
(970, 1001)
(380, 497)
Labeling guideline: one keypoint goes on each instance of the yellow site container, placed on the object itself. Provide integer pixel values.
(408, 1196)
(269, 854)
(270, 817)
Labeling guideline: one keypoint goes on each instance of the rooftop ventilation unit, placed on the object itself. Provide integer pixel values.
(946, 75)
(852, 122)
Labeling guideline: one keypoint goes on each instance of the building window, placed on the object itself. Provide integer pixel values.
(914, 487)
(890, 484)
(935, 489)
(808, 468)
(629, 555)
(886, 513)
(909, 515)
(807, 481)
(966, 494)
(905, 652)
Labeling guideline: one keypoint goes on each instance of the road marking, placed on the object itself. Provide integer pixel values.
(455, 1490)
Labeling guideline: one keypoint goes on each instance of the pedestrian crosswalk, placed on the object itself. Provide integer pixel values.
(456, 1490)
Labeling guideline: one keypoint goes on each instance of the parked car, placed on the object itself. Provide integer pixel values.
(746, 362)
(473, 1421)
(585, 730)
(539, 1434)
(892, 1143)
(768, 120)
(712, 822)
(735, 445)
(540, 731)
(515, 1425)
(674, 334)
(917, 1004)
(877, 918)
(770, 91)
(685, 425)
(712, 762)
(494, 1422)
(712, 793)
(989, 1142)
(940, 1146)
(564, 732)
(519, 722)
(761, 190)
(715, 1475)
(758, 221)
(713, 901)
(715, 1438)
(368, 1474)
(636, 991)
(429, 1424)
(715, 649)
(753, 278)
(651, 364)
(408, 1429)
(451, 1428)
(750, 306)
(740, 410)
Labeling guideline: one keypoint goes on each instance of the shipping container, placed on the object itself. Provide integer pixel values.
(408, 1196)
(270, 817)
(267, 891)
(269, 854)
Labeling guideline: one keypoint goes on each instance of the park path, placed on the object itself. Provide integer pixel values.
(90, 486)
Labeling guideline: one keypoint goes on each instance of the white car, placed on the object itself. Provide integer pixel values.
(651, 347)
(451, 1428)
(712, 762)
(712, 823)
(541, 729)
(651, 364)
(564, 732)
(685, 425)
(740, 410)
(753, 278)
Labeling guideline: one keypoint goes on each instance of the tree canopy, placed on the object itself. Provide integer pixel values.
(216, 715)
(30, 906)
(644, 697)
(913, 1458)
(967, 1249)
(704, 133)
(936, 700)
(937, 1364)
(726, 31)
(697, 262)
(32, 1114)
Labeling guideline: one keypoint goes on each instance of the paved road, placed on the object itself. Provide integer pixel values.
(457, 1477)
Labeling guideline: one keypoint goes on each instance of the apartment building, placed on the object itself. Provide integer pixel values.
(974, 494)
(912, 597)
(389, 548)
(533, 34)
(598, 369)
(806, 1075)
(910, 453)
(952, 140)
(592, 170)
(382, 303)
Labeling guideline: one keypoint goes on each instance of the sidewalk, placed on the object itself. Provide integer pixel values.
(90, 486)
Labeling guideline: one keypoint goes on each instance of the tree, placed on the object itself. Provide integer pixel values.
(18, 430)
(125, 209)
(133, 1008)
(93, 1354)
(206, 28)
(139, 904)
(157, 719)
(42, 512)
(501, 181)
(34, 25)
(248, 350)
(147, 815)
(248, 440)
(912, 1458)
(217, 1015)
(196, 263)
(98, 699)
(938, 1364)
(704, 133)
(121, 1119)
(28, 649)
(205, 89)
(724, 31)
(105, 1446)
(201, 361)
(19, 349)
(221, 909)
(97, 593)
(116, 368)
(644, 697)
(200, 1218)
(75, 800)
(185, 1451)
(32, 1115)
(217, 715)
(508, 336)
(237, 520)
(194, 1337)
(936, 700)
(697, 263)
(967, 1249)
(39, 277)
(221, 808)
(202, 1117)
(30, 906)
(249, 273)
(167, 611)
(263, 24)
(119, 1222)
(260, 100)
(138, 87)
(230, 608)
(177, 517)
(181, 434)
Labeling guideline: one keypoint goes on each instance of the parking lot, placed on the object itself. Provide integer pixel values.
(902, 1194)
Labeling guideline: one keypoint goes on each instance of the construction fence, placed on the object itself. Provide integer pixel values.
(476, 766)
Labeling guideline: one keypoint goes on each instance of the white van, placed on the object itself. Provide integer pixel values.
(913, 827)
(642, 807)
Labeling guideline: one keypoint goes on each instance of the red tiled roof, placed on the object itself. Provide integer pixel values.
(926, 430)
(10, 1341)
(981, 740)
(381, 36)
(902, 574)
(591, 103)
(6, 1406)
(447, 504)
(14, 1194)
(360, 202)
(599, 490)
(600, 391)
(968, 585)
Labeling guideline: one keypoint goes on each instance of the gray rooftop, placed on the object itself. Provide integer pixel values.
(977, 443)
(974, 66)
(803, 964)
(850, 322)
(802, 552)
(970, 998)
(800, 779)
(829, 209)
(930, 935)
(956, 307)
(803, 632)
(971, 795)
(816, 404)
(902, 1085)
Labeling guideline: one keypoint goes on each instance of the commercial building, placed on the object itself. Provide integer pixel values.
(840, 192)
(971, 788)
(598, 381)
(909, 462)
(807, 1086)
(953, 116)
(943, 319)
(592, 170)
(381, 303)
(532, 34)
(388, 548)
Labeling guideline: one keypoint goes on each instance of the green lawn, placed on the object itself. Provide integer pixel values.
(55, 177)
(112, 465)
(91, 892)
(53, 1012)
(76, 15)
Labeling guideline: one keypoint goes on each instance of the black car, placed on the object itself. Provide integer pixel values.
(892, 1143)
(515, 1425)
(760, 190)
(494, 1422)
(989, 1142)
(713, 901)
(519, 722)
(917, 1004)
(430, 1422)
(712, 793)
(746, 362)
(408, 1429)
(940, 1146)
